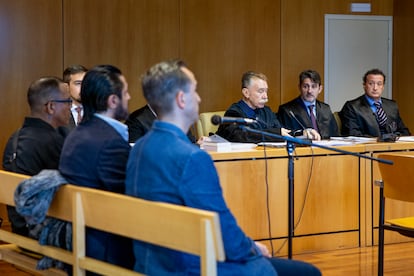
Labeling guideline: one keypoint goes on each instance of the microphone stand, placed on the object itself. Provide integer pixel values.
(290, 147)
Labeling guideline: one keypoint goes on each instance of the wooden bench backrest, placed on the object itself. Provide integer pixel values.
(177, 227)
(8, 183)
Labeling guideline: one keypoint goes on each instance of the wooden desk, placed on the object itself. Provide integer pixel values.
(333, 190)
(245, 178)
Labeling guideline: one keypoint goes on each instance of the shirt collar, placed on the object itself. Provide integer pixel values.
(121, 128)
(371, 101)
(307, 104)
(250, 113)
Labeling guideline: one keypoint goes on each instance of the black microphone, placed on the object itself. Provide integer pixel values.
(218, 120)
(305, 134)
(296, 119)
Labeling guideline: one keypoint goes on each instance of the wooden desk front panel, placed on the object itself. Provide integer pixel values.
(331, 183)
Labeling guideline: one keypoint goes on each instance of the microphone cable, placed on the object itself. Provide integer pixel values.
(302, 209)
(269, 225)
(260, 124)
(269, 221)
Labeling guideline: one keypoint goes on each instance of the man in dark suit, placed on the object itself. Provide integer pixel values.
(73, 76)
(140, 121)
(254, 90)
(38, 143)
(299, 109)
(370, 114)
(96, 152)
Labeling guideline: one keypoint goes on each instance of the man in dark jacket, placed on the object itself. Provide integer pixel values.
(38, 144)
(370, 114)
(95, 153)
(305, 111)
(253, 106)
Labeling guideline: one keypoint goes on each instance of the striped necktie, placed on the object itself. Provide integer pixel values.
(79, 111)
(313, 119)
(380, 114)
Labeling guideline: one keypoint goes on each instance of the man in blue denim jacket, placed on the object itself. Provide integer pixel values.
(165, 166)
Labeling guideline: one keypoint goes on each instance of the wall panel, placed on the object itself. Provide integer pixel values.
(30, 47)
(403, 59)
(302, 30)
(218, 39)
(131, 34)
(222, 39)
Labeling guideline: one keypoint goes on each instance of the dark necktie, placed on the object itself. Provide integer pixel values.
(79, 111)
(313, 119)
(381, 116)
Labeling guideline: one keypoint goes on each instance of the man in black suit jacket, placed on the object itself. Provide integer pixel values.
(140, 121)
(359, 116)
(73, 76)
(254, 90)
(96, 152)
(309, 86)
(38, 143)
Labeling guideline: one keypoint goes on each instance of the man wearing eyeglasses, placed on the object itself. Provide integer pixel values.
(371, 115)
(38, 143)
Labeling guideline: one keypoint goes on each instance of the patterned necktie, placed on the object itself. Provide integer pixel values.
(313, 119)
(79, 111)
(381, 116)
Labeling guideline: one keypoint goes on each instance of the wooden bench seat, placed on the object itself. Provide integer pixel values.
(182, 228)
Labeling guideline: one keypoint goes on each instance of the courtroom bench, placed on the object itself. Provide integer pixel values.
(176, 227)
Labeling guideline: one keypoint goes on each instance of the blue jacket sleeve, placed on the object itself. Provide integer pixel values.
(202, 190)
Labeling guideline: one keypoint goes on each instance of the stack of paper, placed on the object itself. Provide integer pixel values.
(216, 146)
(217, 143)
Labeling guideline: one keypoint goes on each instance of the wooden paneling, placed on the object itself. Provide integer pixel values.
(131, 34)
(403, 59)
(218, 39)
(256, 191)
(30, 47)
(335, 203)
(222, 39)
(302, 31)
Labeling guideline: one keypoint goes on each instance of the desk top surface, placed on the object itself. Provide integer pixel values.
(281, 152)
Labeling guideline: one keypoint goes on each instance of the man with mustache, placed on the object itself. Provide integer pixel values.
(252, 105)
(307, 110)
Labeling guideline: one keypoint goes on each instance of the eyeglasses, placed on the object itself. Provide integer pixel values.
(61, 101)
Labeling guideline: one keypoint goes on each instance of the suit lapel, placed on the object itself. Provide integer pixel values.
(301, 112)
(368, 114)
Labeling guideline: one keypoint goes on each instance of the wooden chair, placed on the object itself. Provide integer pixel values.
(338, 121)
(204, 125)
(397, 183)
